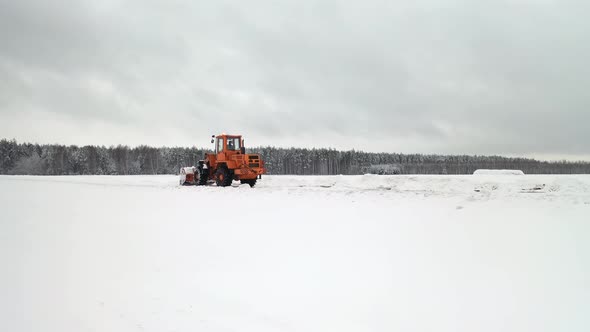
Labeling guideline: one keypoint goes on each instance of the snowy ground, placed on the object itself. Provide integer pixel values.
(340, 253)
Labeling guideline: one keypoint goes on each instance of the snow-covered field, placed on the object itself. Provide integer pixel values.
(338, 253)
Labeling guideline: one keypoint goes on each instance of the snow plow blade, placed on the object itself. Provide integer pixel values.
(188, 176)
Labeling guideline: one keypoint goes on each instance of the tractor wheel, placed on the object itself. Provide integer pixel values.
(251, 182)
(203, 177)
(223, 177)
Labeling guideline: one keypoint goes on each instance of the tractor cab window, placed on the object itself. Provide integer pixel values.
(233, 144)
(219, 146)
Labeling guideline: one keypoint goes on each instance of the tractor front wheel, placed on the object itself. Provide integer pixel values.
(203, 176)
(223, 177)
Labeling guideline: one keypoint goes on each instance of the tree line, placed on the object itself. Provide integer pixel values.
(54, 159)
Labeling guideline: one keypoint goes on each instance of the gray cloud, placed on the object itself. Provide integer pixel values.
(453, 76)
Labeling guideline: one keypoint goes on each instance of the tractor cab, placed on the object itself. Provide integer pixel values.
(229, 144)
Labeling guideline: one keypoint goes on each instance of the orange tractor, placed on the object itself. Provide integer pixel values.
(229, 162)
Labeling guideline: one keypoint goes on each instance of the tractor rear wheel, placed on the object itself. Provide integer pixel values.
(251, 182)
(223, 177)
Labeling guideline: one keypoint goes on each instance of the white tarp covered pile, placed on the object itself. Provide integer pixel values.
(498, 172)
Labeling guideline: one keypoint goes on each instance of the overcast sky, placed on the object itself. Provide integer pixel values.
(504, 77)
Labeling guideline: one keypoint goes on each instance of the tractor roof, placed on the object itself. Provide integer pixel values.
(227, 135)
